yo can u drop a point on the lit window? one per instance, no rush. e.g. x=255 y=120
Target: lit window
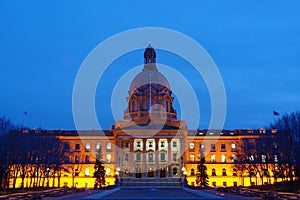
x=233 y=158
x=87 y=146
x=192 y=157
x=202 y=146
x=174 y=157
x=87 y=172
x=223 y=158
x=192 y=145
x=98 y=146
x=162 y=156
x=108 y=172
x=263 y=158
x=150 y=156
x=213 y=158
x=233 y=147
x=174 y=144
x=108 y=146
x=108 y=157
x=162 y=144
x=275 y=158
x=251 y=158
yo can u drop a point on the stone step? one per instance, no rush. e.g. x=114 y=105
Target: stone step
x=150 y=183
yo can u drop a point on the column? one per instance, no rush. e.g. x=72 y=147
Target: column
x=131 y=158
x=157 y=157
x=144 y=172
x=169 y=158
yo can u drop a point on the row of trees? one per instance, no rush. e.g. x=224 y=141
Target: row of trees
x=38 y=159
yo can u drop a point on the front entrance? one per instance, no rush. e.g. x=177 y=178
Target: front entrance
x=138 y=173
x=150 y=173
x=163 y=172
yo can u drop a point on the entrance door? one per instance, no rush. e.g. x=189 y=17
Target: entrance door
x=138 y=173
x=150 y=173
x=163 y=172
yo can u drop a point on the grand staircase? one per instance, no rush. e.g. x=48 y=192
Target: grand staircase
x=150 y=183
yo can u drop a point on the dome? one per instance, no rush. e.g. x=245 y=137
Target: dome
x=147 y=76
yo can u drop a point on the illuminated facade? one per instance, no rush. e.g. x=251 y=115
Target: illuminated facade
x=151 y=143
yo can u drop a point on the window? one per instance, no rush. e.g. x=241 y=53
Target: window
x=263 y=158
x=202 y=147
x=224 y=184
x=233 y=147
x=77 y=159
x=162 y=144
x=233 y=158
x=88 y=146
x=192 y=145
x=275 y=158
x=126 y=157
x=192 y=158
x=77 y=147
x=150 y=144
x=87 y=159
x=235 y=184
x=251 y=158
x=138 y=157
x=223 y=147
x=150 y=156
x=214 y=184
x=234 y=172
x=108 y=157
x=224 y=172
x=213 y=158
x=87 y=172
x=192 y=172
x=174 y=157
x=162 y=156
x=213 y=172
x=138 y=144
x=223 y=158
x=98 y=146
x=108 y=146
x=108 y=171
x=174 y=144
x=126 y=145
x=67 y=146
x=212 y=147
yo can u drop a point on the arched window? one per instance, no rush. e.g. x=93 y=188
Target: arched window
x=224 y=172
x=134 y=105
x=234 y=172
x=192 y=172
x=213 y=172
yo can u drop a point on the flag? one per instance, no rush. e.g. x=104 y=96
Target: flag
x=275 y=113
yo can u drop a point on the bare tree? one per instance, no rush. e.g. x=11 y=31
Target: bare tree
x=289 y=126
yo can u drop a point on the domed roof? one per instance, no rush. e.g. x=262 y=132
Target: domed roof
x=149 y=75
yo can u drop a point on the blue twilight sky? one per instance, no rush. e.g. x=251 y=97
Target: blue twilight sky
x=255 y=45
